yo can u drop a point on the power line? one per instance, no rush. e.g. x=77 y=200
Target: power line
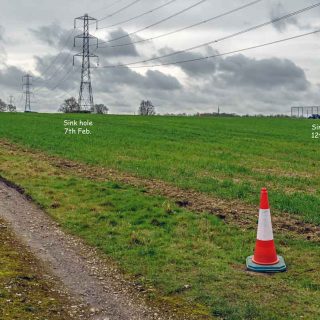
x=106 y=7
x=157 y=23
x=20 y=101
x=85 y=37
x=185 y=28
x=65 y=61
x=229 y=36
x=62 y=80
x=59 y=69
x=65 y=77
x=140 y=15
x=63 y=64
x=132 y=64
x=217 y=55
x=58 y=55
x=119 y=10
x=66 y=93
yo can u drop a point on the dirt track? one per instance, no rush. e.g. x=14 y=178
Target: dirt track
x=86 y=276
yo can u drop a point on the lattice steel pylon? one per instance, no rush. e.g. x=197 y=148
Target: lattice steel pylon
x=85 y=93
x=26 y=86
x=11 y=100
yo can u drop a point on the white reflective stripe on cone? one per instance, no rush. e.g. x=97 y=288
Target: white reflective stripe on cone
x=265 y=226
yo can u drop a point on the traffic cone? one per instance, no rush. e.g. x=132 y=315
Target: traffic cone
x=265 y=258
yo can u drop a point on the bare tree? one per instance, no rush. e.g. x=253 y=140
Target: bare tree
x=147 y=108
x=100 y=109
x=3 y=106
x=70 y=106
x=12 y=108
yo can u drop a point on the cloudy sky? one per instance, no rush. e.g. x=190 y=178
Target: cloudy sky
x=36 y=36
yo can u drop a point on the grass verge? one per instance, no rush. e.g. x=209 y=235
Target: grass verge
x=194 y=260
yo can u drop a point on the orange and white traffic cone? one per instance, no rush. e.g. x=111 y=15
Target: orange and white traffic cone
x=265 y=258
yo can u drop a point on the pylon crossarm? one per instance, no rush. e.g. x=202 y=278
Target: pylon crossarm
x=81 y=36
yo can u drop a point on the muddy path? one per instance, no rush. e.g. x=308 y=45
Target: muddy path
x=87 y=277
x=27 y=291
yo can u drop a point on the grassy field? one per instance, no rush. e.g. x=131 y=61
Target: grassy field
x=24 y=293
x=231 y=158
x=194 y=261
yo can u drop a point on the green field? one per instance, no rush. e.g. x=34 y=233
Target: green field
x=231 y=158
x=195 y=261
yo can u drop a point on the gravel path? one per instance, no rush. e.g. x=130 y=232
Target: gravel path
x=84 y=273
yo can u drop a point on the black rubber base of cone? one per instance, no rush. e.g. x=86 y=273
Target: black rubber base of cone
x=278 y=267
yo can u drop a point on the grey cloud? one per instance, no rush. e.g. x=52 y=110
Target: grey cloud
x=57 y=37
x=107 y=80
x=49 y=63
x=278 y=10
x=242 y=71
x=197 y=68
x=160 y=81
x=271 y=82
x=122 y=51
x=3 y=53
x=242 y=85
x=1 y=33
x=54 y=35
x=11 y=77
x=53 y=68
x=111 y=79
x=271 y=73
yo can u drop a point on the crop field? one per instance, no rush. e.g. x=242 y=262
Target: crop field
x=230 y=158
x=190 y=258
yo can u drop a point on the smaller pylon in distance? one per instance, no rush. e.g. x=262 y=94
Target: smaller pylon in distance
x=26 y=86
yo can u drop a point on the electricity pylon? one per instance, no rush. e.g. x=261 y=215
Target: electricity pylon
x=11 y=100
x=26 y=86
x=85 y=93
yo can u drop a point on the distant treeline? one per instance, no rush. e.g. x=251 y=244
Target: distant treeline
x=7 y=107
x=230 y=115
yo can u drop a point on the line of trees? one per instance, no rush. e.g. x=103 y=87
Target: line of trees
x=71 y=105
x=7 y=107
